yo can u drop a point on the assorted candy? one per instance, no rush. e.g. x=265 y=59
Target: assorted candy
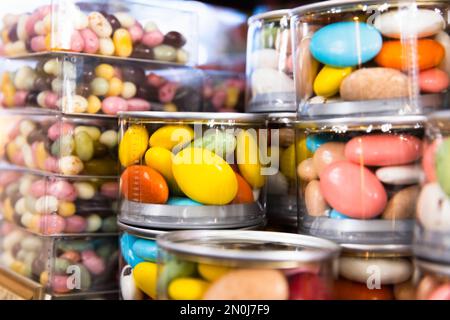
x=67 y=146
x=223 y=91
x=49 y=205
x=185 y=278
x=270 y=64
x=62 y=265
x=365 y=173
x=192 y=165
x=434 y=282
x=71 y=28
x=397 y=52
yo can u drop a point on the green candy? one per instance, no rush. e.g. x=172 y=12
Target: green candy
x=443 y=166
x=101 y=167
x=61 y=265
x=84 y=146
x=219 y=142
x=269 y=36
x=64 y=146
x=175 y=269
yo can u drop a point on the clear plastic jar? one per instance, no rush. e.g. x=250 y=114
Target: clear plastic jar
x=76 y=84
x=61 y=265
x=432 y=232
x=51 y=142
x=434 y=281
x=123 y=29
x=47 y=204
x=393 y=56
x=230 y=265
x=192 y=170
x=361 y=183
x=375 y=273
x=223 y=91
x=270 y=84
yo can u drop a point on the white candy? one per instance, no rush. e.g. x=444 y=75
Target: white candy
x=47 y=205
x=128 y=90
x=31 y=243
x=433 y=208
x=26 y=127
x=94 y=223
x=150 y=26
x=85 y=190
x=128 y=287
x=21 y=27
x=444 y=39
x=400 y=175
x=81 y=20
x=24 y=79
x=265 y=58
x=277 y=184
x=100 y=25
x=125 y=20
x=409 y=23
x=70 y=165
x=11 y=239
x=386 y=271
x=27 y=219
x=106 y=47
x=28 y=156
x=20 y=207
x=271 y=81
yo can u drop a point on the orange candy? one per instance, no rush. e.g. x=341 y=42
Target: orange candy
x=349 y=290
x=396 y=55
x=144 y=184
x=244 y=193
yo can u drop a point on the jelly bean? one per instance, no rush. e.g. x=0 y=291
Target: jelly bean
x=346 y=44
x=62 y=190
x=145 y=277
x=115 y=87
x=20 y=98
x=136 y=32
x=383 y=150
x=64 y=146
x=100 y=25
x=212 y=272
x=46 y=205
x=76 y=41
x=110 y=190
x=433 y=81
x=24 y=78
x=91 y=41
x=94 y=104
x=113 y=105
x=85 y=190
x=153 y=187
x=128 y=90
x=161 y=160
x=171 y=136
x=220 y=142
x=74 y=104
x=443 y=165
x=93 y=132
x=59 y=128
x=84 y=146
x=430 y=54
x=93 y=262
x=244 y=193
x=75 y=224
x=123 y=43
x=70 y=165
x=153 y=38
x=59 y=284
x=38 y=188
x=94 y=223
x=155 y=80
x=99 y=87
x=402 y=205
x=248 y=163
x=113 y=21
x=50 y=224
x=145 y=249
x=133 y=145
x=247 y=284
x=174 y=39
x=178 y=201
x=216 y=182
x=142 y=52
x=329 y=79
x=138 y=104
x=165 y=53
x=316 y=205
x=308 y=286
x=353 y=190
x=66 y=209
x=106 y=47
x=109 y=138
x=38 y=44
x=128 y=287
x=187 y=289
x=167 y=91
x=126 y=243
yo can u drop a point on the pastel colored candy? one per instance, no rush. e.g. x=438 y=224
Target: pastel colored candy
x=62 y=190
x=402 y=205
x=266 y=80
x=433 y=208
x=75 y=224
x=113 y=105
x=138 y=104
x=395 y=54
x=187 y=289
x=128 y=287
x=145 y=277
x=212 y=272
x=249 y=166
x=145 y=249
x=329 y=79
x=177 y=201
x=316 y=205
x=313 y=142
x=433 y=81
x=400 y=175
x=337 y=215
x=153 y=38
x=51 y=224
x=419 y=23
x=384 y=150
x=217 y=141
x=353 y=190
x=327 y=154
x=133 y=145
x=93 y=262
x=91 y=41
x=76 y=41
x=126 y=243
x=346 y=44
x=388 y=271
x=429 y=160
x=443 y=165
x=175 y=269
x=444 y=39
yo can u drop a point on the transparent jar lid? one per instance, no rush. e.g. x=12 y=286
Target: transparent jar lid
x=376 y=250
x=435 y=268
x=270 y=15
x=240 y=247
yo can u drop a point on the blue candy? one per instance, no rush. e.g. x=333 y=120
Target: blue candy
x=178 y=201
x=126 y=243
x=145 y=249
x=337 y=215
x=346 y=44
x=313 y=142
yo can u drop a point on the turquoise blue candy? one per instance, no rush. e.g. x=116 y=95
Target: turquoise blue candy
x=145 y=249
x=313 y=142
x=126 y=244
x=177 y=201
x=346 y=44
x=337 y=215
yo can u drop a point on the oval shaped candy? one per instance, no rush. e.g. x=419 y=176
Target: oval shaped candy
x=170 y=136
x=133 y=145
x=145 y=249
x=443 y=165
x=145 y=277
x=329 y=80
x=187 y=289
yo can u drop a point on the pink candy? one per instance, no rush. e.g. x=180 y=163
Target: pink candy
x=38 y=188
x=113 y=105
x=7 y=177
x=167 y=92
x=153 y=38
x=91 y=41
x=93 y=262
x=137 y=104
x=136 y=32
x=219 y=98
x=38 y=43
x=59 y=284
x=62 y=190
x=50 y=100
x=51 y=224
x=75 y=224
x=110 y=190
x=58 y=129
x=20 y=98
x=51 y=164
x=441 y=293
x=433 y=81
x=429 y=160
x=76 y=41
x=155 y=80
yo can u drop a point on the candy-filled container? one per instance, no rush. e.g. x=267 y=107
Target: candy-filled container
x=432 y=232
x=240 y=265
x=371 y=56
x=375 y=274
x=121 y=29
x=76 y=84
x=60 y=144
x=192 y=170
x=62 y=265
x=51 y=205
x=282 y=185
x=361 y=182
x=434 y=281
x=270 y=84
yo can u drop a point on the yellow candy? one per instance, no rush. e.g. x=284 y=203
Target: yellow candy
x=43 y=278
x=170 y=107
x=48 y=42
x=105 y=71
x=145 y=277
x=94 y=104
x=66 y=209
x=133 y=145
x=161 y=160
x=8 y=90
x=187 y=289
x=123 y=43
x=329 y=80
x=170 y=136
x=19 y=267
x=115 y=87
x=212 y=272
x=232 y=97
x=204 y=176
x=8 y=210
x=248 y=158
x=288 y=161
x=41 y=155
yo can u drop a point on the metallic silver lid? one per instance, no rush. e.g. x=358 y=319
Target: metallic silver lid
x=195 y=116
x=369 y=120
x=441 y=269
x=269 y=15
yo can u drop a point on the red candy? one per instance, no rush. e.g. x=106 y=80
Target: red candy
x=433 y=81
x=307 y=286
